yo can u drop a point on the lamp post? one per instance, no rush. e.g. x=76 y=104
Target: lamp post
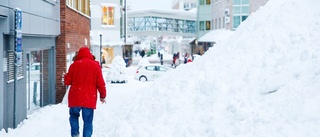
x=100 y=50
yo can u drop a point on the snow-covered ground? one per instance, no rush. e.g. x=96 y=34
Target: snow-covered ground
x=264 y=81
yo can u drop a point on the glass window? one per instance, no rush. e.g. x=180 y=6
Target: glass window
x=243 y=18
x=201 y=2
x=75 y=4
x=208 y=25
x=245 y=1
x=69 y=2
x=208 y=2
x=201 y=25
x=193 y=5
x=245 y=10
x=236 y=21
x=236 y=10
x=107 y=15
x=236 y=2
x=186 y=5
x=151 y=68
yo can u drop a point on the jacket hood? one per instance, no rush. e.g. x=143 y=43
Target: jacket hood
x=84 y=52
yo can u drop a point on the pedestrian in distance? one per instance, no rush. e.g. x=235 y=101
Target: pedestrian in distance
x=186 y=58
x=85 y=79
x=142 y=53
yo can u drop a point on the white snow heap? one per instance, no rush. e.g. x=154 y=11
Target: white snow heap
x=117 y=70
x=263 y=81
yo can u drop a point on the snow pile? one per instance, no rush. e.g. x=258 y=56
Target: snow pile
x=263 y=81
x=116 y=72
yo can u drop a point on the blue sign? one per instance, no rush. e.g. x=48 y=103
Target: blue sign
x=18 y=19
x=18 y=35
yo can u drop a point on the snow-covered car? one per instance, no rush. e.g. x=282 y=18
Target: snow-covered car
x=150 y=72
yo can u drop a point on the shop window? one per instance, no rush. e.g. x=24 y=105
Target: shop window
x=107 y=15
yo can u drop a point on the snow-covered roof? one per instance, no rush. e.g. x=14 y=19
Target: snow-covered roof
x=216 y=35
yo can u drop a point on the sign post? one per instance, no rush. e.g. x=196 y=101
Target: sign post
x=18 y=36
x=18 y=56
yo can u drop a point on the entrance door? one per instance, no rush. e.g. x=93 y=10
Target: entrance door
x=34 y=79
x=37 y=72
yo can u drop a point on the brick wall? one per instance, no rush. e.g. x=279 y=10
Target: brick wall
x=75 y=28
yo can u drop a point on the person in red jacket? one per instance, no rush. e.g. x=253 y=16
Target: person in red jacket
x=85 y=78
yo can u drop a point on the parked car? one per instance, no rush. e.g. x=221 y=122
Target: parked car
x=150 y=72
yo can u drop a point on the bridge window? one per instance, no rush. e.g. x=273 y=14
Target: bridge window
x=107 y=15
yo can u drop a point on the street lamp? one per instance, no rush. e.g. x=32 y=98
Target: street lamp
x=100 y=50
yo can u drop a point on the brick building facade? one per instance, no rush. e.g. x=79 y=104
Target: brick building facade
x=75 y=33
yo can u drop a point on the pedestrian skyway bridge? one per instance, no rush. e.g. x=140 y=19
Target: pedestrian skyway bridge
x=153 y=22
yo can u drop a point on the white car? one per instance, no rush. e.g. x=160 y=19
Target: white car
x=150 y=72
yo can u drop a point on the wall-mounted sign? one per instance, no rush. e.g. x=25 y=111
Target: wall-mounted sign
x=18 y=36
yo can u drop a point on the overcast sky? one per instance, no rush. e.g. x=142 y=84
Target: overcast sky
x=150 y=4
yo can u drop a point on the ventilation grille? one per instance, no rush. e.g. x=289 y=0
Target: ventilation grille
x=10 y=65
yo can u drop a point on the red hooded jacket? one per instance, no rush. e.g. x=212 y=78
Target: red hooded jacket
x=85 y=78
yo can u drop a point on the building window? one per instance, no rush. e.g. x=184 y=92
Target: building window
x=201 y=25
x=201 y=2
x=208 y=25
x=208 y=2
x=186 y=6
x=237 y=20
x=107 y=15
x=193 y=5
x=241 y=11
x=80 y=5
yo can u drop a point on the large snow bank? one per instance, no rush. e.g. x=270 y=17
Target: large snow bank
x=263 y=81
